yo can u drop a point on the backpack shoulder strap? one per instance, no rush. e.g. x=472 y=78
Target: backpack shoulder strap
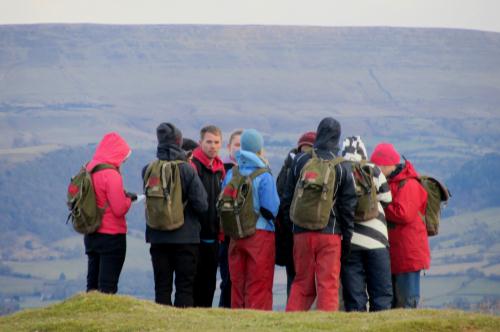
x=258 y=172
x=289 y=158
x=364 y=163
x=176 y=163
x=313 y=153
x=337 y=161
x=236 y=170
x=403 y=182
x=338 y=179
x=100 y=167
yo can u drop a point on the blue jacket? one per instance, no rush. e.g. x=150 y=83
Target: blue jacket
x=265 y=194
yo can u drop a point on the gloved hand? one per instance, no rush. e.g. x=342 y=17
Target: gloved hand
x=133 y=196
x=346 y=250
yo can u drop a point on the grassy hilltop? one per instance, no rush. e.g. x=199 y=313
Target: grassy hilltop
x=99 y=312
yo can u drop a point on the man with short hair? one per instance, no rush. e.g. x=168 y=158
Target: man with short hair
x=211 y=172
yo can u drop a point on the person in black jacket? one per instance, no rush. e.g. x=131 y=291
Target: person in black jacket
x=211 y=171
x=177 y=251
x=284 y=234
x=317 y=254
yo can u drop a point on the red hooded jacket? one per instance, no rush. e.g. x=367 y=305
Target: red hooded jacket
x=108 y=183
x=409 y=245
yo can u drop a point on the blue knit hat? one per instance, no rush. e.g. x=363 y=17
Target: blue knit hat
x=251 y=140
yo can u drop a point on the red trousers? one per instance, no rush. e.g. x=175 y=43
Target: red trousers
x=251 y=267
x=317 y=263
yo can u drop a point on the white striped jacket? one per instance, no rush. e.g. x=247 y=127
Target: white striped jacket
x=372 y=234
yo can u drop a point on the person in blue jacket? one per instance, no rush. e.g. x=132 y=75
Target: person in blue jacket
x=251 y=259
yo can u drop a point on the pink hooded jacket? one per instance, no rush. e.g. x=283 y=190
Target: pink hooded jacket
x=108 y=183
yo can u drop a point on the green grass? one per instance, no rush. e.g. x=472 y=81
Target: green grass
x=99 y=312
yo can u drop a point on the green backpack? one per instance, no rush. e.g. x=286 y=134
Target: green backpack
x=314 y=194
x=235 y=205
x=437 y=193
x=366 y=192
x=163 y=190
x=85 y=215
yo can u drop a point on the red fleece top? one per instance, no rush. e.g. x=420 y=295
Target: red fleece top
x=108 y=183
x=214 y=165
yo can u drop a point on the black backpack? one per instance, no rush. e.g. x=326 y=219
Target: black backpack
x=283 y=174
x=283 y=233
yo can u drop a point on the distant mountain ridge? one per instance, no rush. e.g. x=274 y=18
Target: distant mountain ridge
x=430 y=89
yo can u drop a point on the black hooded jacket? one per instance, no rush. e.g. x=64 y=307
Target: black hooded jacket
x=193 y=191
x=326 y=147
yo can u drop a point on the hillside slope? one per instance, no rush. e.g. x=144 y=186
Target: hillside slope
x=98 y=312
x=436 y=92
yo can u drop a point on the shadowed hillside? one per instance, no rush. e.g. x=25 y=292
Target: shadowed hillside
x=98 y=312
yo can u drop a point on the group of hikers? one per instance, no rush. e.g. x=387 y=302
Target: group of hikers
x=234 y=214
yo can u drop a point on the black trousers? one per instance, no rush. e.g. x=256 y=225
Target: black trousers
x=206 y=274
x=180 y=259
x=106 y=255
x=225 y=283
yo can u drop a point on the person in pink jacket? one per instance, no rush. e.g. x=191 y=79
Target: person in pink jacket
x=107 y=246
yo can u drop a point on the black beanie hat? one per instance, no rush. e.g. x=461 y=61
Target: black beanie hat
x=188 y=144
x=167 y=133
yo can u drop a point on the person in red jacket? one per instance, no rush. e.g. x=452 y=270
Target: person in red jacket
x=107 y=246
x=409 y=245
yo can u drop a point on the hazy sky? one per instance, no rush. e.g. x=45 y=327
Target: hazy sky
x=467 y=14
